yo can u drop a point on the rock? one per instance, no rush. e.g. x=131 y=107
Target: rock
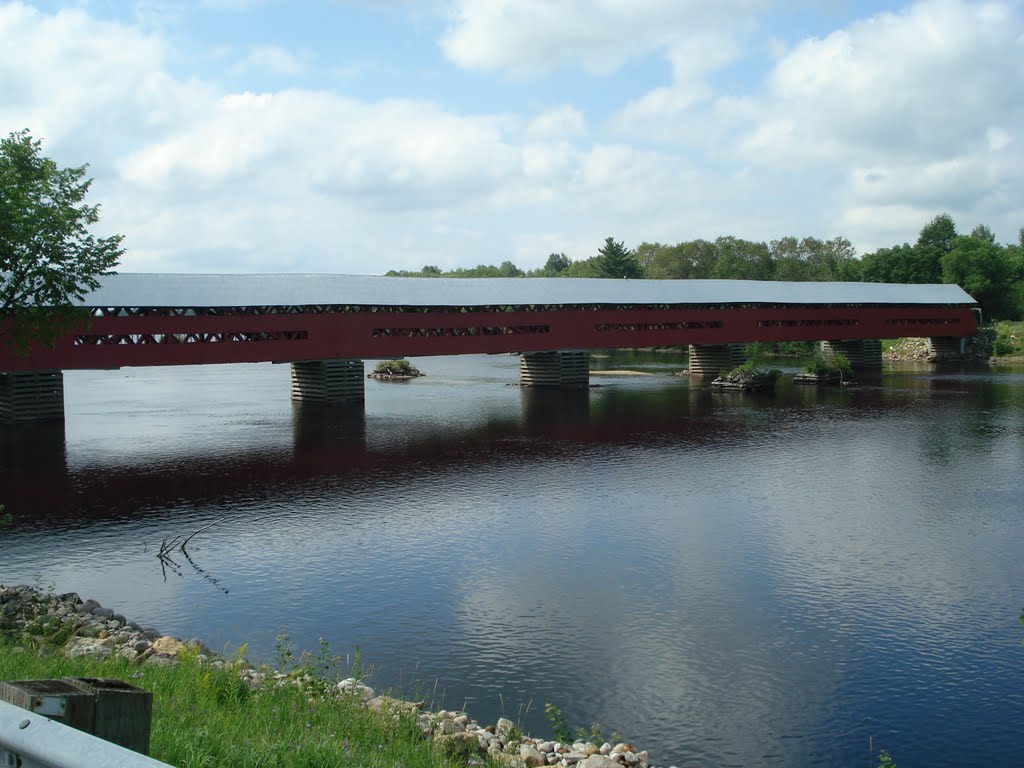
x=571 y=758
x=120 y=619
x=630 y=758
x=599 y=761
x=88 y=646
x=531 y=756
x=504 y=727
x=141 y=646
x=128 y=653
x=389 y=704
x=168 y=646
x=606 y=748
x=103 y=613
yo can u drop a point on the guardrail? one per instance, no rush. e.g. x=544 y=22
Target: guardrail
x=29 y=740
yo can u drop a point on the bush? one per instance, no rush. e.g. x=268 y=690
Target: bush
x=396 y=368
x=838 y=363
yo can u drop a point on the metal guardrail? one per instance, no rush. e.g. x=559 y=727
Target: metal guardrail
x=29 y=740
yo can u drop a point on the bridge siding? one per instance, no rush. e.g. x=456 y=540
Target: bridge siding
x=352 y=335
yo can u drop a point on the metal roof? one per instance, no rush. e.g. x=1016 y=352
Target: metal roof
x=194 y=290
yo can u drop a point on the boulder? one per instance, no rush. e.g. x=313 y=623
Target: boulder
x=531 y=756
x=97 y=648
x=168 y=646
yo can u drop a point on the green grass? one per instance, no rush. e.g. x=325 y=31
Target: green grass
x=207 y=717
x=1005 y=344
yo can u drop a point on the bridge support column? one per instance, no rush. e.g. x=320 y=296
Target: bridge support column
x=328 y=381
x=945 y=347
x=713 y=359
x=562 y=369
x=863 y=354
x=32 y=396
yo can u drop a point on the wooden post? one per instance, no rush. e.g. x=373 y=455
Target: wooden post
x=56 y=699
x=123 y=711
x=111 y=710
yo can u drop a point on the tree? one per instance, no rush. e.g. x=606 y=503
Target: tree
x=48 y=257
x=980 y=267
x=615 y=261
x=935 y=241
x=556 y=263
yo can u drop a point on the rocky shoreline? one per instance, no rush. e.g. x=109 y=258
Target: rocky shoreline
x=66 y=624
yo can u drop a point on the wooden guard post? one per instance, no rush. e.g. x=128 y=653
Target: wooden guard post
x=109 y=709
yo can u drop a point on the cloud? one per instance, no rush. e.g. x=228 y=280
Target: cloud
x=526 y=38
x=271 y=59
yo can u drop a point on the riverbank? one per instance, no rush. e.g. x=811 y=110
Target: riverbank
x=213 y=710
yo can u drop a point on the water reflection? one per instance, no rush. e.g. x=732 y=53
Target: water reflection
x=727 y=580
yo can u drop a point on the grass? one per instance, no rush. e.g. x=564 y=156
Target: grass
x=204 y=717
x=1009 y=339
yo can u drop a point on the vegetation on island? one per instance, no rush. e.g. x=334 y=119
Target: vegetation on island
x=752 y=375
x=991 y=272
x=395 y=369
x=836 y=365
x=48 y=256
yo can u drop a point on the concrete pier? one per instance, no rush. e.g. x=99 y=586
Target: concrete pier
x=945 y=347
x=328 y=381
x=32 y=396
x=863 y=354
x=714 y=359
x=569 y=369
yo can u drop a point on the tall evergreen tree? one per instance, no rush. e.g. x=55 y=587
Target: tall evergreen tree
x=615 y=261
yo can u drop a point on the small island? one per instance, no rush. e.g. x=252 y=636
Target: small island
x=395 y=370
x=822 y=370
x=749 y=377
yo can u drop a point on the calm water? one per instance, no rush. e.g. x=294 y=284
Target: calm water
x=726 y=580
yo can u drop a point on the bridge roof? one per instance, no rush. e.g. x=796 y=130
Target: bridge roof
x=196 y=290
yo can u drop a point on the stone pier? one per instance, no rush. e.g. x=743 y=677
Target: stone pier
x=714 y=359
x=32 y=396
x=863 y=354
x=328 y=381
x=569 y=369
x=945 y=347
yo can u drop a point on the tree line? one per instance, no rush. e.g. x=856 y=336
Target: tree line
x=991 y=272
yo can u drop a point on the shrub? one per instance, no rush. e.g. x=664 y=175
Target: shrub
x=826 y=366
x=396 y=368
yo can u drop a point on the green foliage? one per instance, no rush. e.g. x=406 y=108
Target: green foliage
x=885 y=760
x=836 y=363
x=48 y=257
x=207 y=717
x=559 y=727
x=396 y=368
x=981 y=268
x=615 y=261
x=5 y=516
x=1009 y=340
x=563 y=733
x=993 y=274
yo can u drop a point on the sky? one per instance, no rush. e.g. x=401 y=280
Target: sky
x=357 y=136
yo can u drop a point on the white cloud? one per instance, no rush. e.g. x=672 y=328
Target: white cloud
x=531 y=37
x=272 y=59
x=922 y=84
x=560 y=123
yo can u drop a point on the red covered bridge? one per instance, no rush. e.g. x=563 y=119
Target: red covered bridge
x=326 y=323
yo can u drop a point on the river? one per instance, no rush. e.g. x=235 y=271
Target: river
x=799 y=578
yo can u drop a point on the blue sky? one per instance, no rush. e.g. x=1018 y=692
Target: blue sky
x=361 y=135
